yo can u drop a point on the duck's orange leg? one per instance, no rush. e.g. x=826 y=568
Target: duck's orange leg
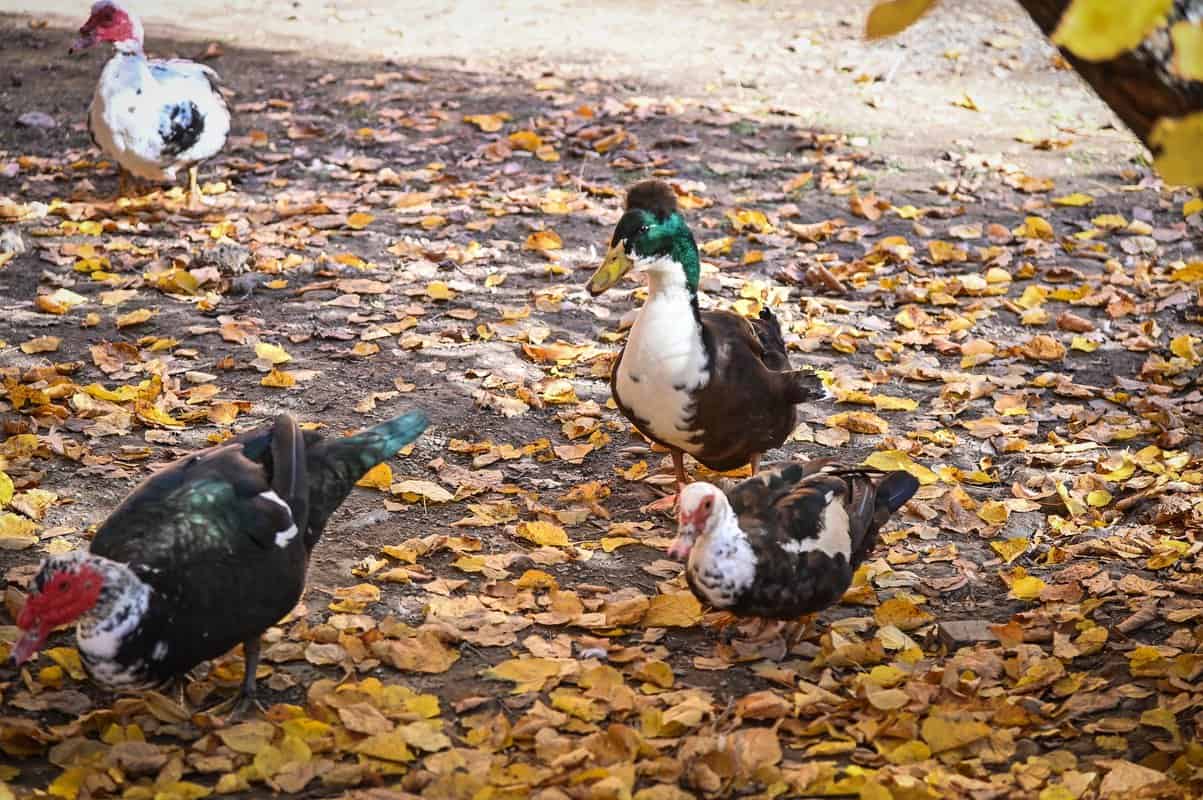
x=669 y=502
x=799 y=631
x=195 y=201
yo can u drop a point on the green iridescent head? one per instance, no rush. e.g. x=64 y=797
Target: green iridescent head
x=651 y=229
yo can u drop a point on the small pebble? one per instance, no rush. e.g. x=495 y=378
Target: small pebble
x=36 y=119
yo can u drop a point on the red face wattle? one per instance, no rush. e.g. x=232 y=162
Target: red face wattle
x=690 y=522
x=107 y=24
x=697 y=516
x=64 y=596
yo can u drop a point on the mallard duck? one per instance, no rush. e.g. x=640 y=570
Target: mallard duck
x=205 y=554
x=785 y=542
x=709 y=383
x=152 y=116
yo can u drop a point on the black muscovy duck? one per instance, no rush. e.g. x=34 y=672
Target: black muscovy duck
x=205 y=554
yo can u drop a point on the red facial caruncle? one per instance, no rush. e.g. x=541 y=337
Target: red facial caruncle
x=695 y=517
x=108 y=22
x=65 y=595
x=693 y=514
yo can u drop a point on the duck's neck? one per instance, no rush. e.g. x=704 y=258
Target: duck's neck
x=724 y=533
x=129 y=47
x=668 y=331
x=669 y=288
x=123 y=601
x=724 y=556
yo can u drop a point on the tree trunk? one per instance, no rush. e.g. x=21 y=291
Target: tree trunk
x=1140 y=86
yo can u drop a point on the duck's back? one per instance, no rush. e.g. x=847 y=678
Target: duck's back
x=809 y=531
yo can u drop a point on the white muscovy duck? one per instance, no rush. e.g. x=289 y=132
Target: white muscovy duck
x=785 y=542
x=152 y=116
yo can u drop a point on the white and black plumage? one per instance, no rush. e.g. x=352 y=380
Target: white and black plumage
x=709 y=383
x=153 y=117
x=205 y=554
x=785 y=542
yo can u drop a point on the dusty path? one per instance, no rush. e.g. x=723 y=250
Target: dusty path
x=805 y=59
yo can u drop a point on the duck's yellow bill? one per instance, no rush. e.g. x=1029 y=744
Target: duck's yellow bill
x=611 y=271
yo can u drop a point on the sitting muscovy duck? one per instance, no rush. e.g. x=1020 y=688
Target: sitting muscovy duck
x=153 y=117
x=709 y=383
x=205 y=554
x=785 y=542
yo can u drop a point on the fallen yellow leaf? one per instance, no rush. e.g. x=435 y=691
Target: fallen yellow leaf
x=1100 y=30
x=1076 y=199
x=359 y=220
x=272 y=353
x=489 y=123
x=542 y=533
x=543 y=241
x=891 y=460
x=676 y=610
x=437 y=290
x=890 y=17
x=378 y=477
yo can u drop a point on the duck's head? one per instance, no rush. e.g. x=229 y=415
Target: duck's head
x=66 y=587
x=700 y=506
x=651 y=237
x=110 y=21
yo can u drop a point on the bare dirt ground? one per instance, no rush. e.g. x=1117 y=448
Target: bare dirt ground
x=385 y=214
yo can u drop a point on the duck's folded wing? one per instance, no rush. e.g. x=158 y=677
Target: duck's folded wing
x=813 y=516
x=871 y=498
x=214 y=507
x=763 y=490
x=192 y=97
x=181 y=69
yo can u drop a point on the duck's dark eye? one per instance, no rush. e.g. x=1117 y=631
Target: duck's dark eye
x=645 y=228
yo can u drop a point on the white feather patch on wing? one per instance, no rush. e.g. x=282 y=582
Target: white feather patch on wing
x=833 y=538
x=288 y=534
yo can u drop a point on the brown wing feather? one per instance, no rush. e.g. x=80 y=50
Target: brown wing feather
x=745 y=409
x=764 y=489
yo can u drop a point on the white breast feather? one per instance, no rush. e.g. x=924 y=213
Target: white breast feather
x=723 y=563
x=100 y=642
x=664 y=351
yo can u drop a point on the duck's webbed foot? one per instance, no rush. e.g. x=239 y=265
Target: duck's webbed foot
x=247 y=699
